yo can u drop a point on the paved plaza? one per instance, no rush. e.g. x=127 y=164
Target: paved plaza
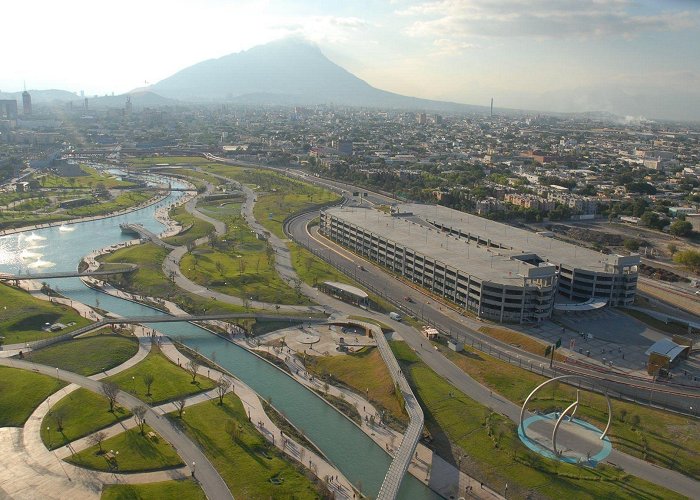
x=609 y=337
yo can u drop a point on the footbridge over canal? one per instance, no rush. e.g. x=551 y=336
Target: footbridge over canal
x=128 y=268
x=142 y=232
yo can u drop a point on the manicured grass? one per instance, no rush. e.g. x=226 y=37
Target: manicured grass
x=22 y=316
x=365 y=373
x=149 y=280
x=137 y=453
x=243 y=463
x=171 y=381
x=660 y=437
x=89 y=355
x=182 y=490
x=84 y=412
x=121 y=202
x=520 y=340
x=240 y=264
x=169 y=160
x=91 y=178
x=313 y=270
x=21 y=391
x=195 y=227
x=280 y=196
x=494 y=453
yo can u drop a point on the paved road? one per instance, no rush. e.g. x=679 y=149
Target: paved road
x=435 y=360
x=212 y=483
x=450 y=321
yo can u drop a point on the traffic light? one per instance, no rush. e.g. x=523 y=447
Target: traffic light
x=547 y=350
x=558 y=344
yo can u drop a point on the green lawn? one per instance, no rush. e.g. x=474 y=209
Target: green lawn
x=149 y=280
x=83 y=412
x=91 y=178
x=494 y=453
x=364 y=372
x=22 y=316
x=137 y=453
x=248 y=463
x=195 y=227
x=240 y=264
x=171 y=381
x=121 y=202
x=149 y=161
x=88 y=355
x=280 y=196
x=182 y=490
x=660 y=437
x=21 y=391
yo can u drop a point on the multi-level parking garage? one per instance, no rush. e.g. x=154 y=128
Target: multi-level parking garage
x=494 y=270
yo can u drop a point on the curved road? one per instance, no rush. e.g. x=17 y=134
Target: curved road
x=455 y=375
x=210 y=480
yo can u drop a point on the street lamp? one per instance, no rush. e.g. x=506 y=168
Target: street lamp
x=193 y=468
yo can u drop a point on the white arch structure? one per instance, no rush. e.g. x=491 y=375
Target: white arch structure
x=571 y=408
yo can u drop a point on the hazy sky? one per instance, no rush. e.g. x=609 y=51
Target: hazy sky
x=519 y=51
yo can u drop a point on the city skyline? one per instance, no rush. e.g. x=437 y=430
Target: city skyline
x=553 y=56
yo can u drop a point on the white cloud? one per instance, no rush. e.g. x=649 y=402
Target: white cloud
x=540 y=19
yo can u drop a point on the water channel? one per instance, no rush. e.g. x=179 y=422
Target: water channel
x=61 y=249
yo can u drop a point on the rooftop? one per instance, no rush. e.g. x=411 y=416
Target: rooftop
x=527 y=254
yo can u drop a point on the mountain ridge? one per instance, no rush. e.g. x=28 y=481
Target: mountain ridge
x=287 y=71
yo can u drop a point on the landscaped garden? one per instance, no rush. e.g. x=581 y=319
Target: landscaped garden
x=494 y=454
x=24 y=318
x=21 y=391
x=89 y=355
x=137 y=452
x=182 y=490
x=250 y=466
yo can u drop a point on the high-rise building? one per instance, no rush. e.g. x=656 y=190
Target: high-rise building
x=26 y=103
x=8 y=109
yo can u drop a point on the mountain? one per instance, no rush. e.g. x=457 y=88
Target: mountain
x=288 y=71
x=41 y=96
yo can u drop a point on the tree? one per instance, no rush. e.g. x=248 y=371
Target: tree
x=140 y=415
x=148 y=379
x=110 y=390
x=191 y=367
x=59 y=415
x=631 y=245
x=688 y=258
x=220 y=268
x=223 y=385
x=681 y=228
x=97 y=438
x=233 y=430
x=673 y=248
x=180 y=405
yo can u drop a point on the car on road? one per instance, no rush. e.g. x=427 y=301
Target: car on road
x=408 y=299
x=361 y=268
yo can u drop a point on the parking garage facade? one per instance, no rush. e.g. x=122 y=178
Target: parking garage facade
x=483 y=274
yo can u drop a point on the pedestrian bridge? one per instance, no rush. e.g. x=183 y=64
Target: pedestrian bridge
x=142 y=232
x=67 y=274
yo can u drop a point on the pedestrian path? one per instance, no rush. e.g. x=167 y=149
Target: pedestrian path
x=340 y=486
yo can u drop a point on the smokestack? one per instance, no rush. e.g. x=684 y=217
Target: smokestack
x=492 y=106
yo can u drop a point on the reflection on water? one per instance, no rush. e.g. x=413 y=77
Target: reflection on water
x=41 y=264
x=27 y=254
x=64 y=228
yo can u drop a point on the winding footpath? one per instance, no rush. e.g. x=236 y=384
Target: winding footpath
x=38 y=469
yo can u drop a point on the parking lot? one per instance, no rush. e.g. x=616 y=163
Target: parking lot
x=608 y=336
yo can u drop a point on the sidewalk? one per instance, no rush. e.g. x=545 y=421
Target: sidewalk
x=341 y=487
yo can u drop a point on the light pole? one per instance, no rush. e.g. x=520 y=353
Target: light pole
x=193 y=468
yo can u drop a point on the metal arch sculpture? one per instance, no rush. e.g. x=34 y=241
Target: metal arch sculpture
x=572 y=407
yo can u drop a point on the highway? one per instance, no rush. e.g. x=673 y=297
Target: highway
x=424 y=307
x=449 y=321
